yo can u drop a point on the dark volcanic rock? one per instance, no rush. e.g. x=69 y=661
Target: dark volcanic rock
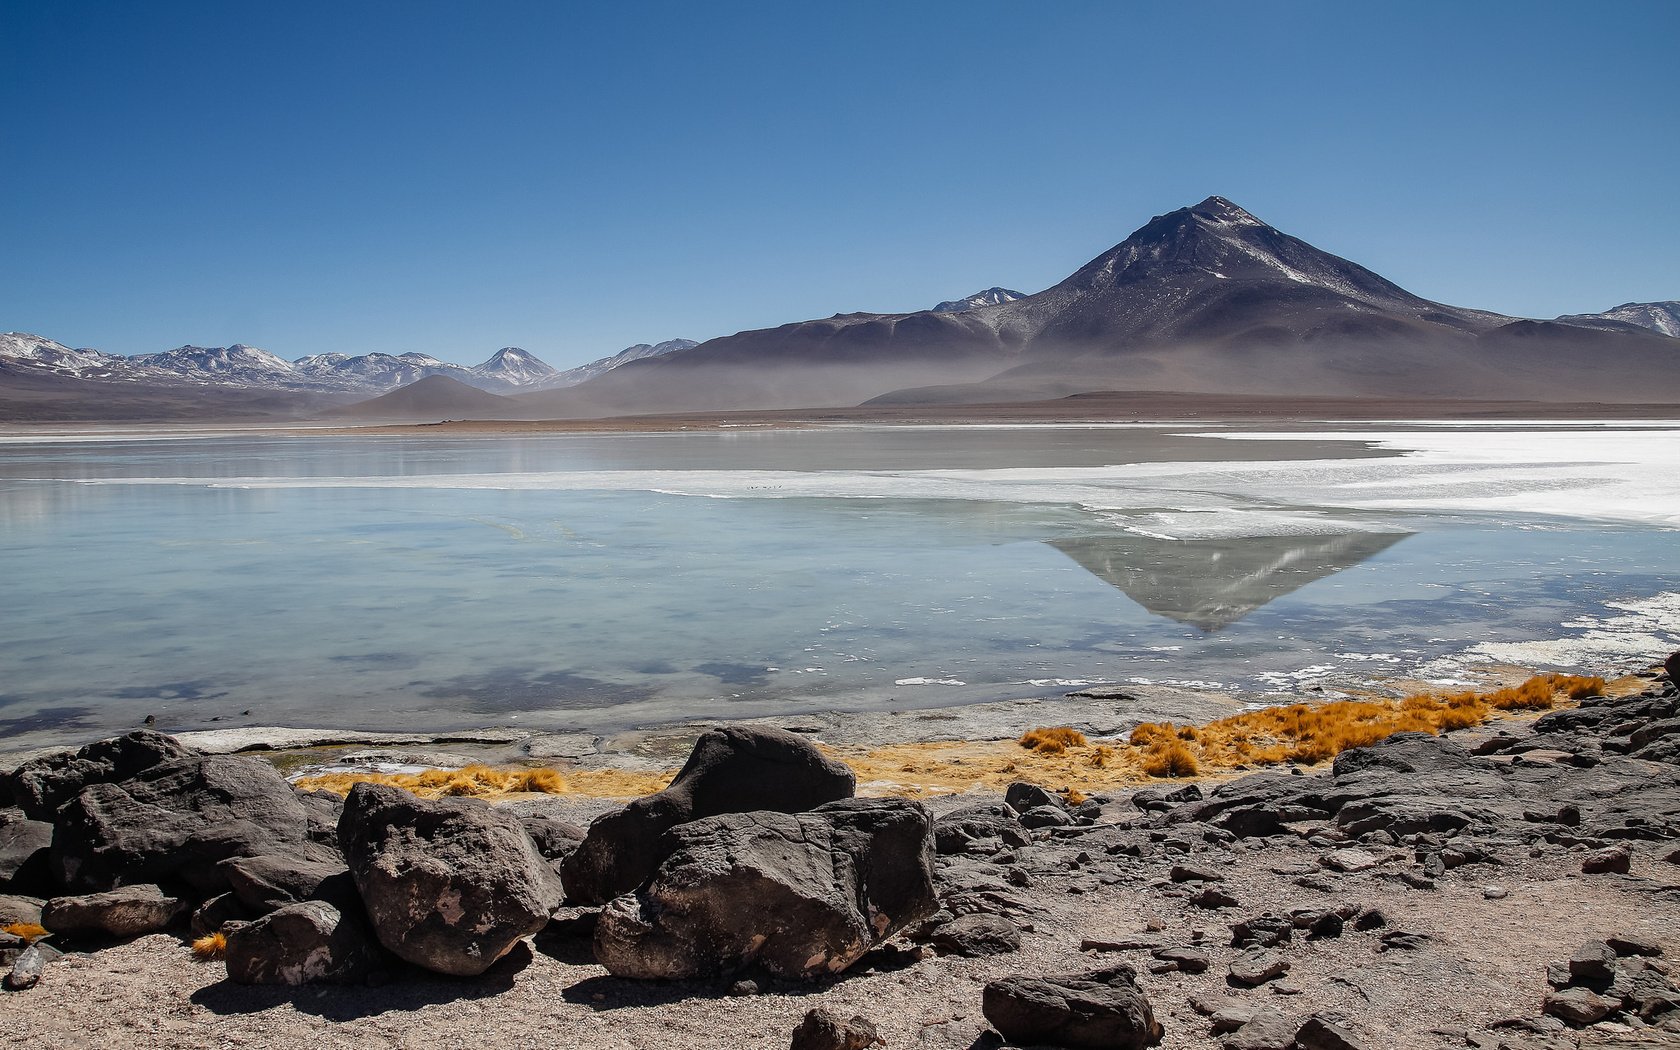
x=127 y=911
x=307 y=943
x=1321 y=1034
x=18 y=908
x=450 y=885
x=1257 y=966
x=1104 y=1008
x=216 y=913
x=176 y=819
x=802 y=894
x=1579 y=1006
x=1046 y=817
x=975 y=935
x=554 y=839
x=1268 y=1029
x=271 y=881
x=1612 y=860
x=1593 y=962
x=733 y=769
x=24 y=850
x=1021 y=797
x=41 y=785
x=29 y=966
x=823 y=1029
x=956 y=831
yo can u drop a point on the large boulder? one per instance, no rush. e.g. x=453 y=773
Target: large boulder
x=128 y=911
x=802 y=894
x=41 y=785
x=176 y=819
x=733 y=769
x=450 y=885
x=305 y=943
x=1104 y=1008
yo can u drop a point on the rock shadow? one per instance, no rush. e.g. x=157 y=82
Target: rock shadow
x=606 y=992
x=409 y=989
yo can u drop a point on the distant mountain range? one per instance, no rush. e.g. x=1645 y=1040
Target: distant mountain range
x=1205 y=300
x=44 y=380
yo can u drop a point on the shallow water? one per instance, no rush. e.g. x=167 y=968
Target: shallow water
x=602 y=580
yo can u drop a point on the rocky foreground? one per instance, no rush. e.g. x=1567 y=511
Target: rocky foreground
x=1518 y=888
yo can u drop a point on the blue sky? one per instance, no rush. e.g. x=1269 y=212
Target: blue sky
x=454 y=177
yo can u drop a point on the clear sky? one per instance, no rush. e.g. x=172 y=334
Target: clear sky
x=455 y=177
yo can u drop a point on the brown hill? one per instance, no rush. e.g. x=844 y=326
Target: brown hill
x=432 y=399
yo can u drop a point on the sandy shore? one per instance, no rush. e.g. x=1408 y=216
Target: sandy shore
x=1137 y=406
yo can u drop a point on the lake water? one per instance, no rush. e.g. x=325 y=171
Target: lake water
x=595 y=581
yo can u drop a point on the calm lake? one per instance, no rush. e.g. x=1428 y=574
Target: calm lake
x=600 y=580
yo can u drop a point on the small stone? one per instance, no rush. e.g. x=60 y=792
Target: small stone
x=1212 y=897
x=1593 y=962
x=1257 y=966
x=1185 y=960
x=1230 y=1018
x=976 y=935
x=30 y=965
x=1269 y=1029
x=1612 y=860
x=1319 y=1033
x=743 y=988
x=1194 y=873
x=1625 y=944
x=1348 y=861
x=1578 y=1006
x=1495 y=893
x=1370 y=919
x=823 y=1029
x=1405 y=940
x=1265 y=930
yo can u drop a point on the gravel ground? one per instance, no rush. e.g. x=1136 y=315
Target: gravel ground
x=1485 y=961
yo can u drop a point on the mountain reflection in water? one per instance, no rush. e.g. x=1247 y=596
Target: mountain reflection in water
x=1213 y=583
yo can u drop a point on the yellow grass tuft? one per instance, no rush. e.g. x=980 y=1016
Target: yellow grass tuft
x=29 y=931
x=210 y=946
x=1316 y=732
x=474 y=781
x=1166 y=756
x=1052 y=740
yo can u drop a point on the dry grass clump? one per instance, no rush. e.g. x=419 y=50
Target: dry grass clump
x=1052 y=740
x=474 y=781
x=29 y=931
x=211 y=946
x=1313 y=733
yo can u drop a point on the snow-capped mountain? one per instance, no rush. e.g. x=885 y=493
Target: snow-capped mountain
x=236 y=365
x=641 y=351
x=33 y=351
x=516 y=368
x=1662 y=318
x=242 y=367
x=989 y=297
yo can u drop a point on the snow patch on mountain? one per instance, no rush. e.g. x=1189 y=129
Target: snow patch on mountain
x=989 y=297
x=1662 y=318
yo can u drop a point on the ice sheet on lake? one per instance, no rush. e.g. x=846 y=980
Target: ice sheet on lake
x=1627 y=475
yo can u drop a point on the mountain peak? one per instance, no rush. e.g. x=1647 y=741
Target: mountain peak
x=1219 y=209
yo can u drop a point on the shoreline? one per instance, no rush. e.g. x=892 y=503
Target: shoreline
x=1419 y=892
